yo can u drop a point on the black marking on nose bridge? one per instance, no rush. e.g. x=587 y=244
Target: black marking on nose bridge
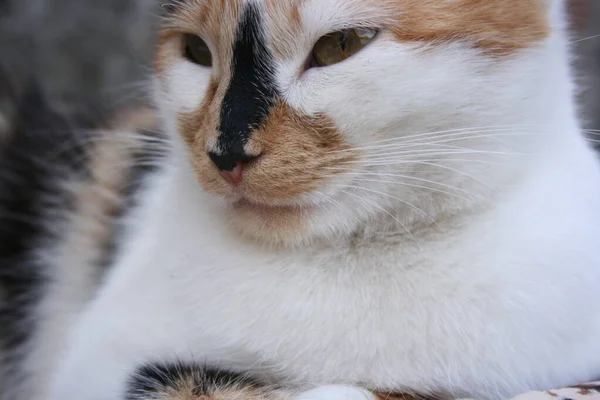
x=252 y=89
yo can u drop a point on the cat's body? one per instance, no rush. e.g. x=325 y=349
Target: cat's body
x=378 y=314
x=414 y=219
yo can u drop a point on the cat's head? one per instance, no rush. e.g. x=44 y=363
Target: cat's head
x=311 y=117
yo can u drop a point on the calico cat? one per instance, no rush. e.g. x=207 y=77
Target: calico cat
x=354 y=199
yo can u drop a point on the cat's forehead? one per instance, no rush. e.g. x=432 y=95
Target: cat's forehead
x=219 y=16
x=501 y=25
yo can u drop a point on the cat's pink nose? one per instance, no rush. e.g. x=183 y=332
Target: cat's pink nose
x=236 y=175
x=231 y=165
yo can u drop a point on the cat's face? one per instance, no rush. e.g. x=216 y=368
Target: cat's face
x=310 y=117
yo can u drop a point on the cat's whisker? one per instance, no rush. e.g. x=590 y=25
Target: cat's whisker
x=373 y=204
x=332 y=200
x=412 y=185
x=427 y=146
x=130 y=158
x=466 y=129
x=417 y=162
x=377 y=149
x=436 y=147
x=136 y=142
x=439 y=134
x=420 y=211
x=585 y=39
x=400 y=176
x=483 y=133
x=403 y=157
x=454 y=170
x=457 y=150
x=431 y=163
x=428 y=188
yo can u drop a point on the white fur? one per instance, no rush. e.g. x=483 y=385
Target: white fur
x=498 y=297
x=335 y=392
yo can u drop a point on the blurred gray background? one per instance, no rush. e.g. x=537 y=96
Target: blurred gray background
x=84 y=52
x=98 y=52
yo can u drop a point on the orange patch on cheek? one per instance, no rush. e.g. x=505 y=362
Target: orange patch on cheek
x=497 y=26
x=299 y=155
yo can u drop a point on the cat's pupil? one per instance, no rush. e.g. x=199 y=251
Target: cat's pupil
x=339 y=46
x=197 y=51
x=343 y=41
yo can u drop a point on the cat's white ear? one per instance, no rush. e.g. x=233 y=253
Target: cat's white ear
x=559 y=5
x=558 y=12
x=554 y=3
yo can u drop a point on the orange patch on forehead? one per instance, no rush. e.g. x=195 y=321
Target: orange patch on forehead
x=215 y=21
x=497 y=26
x=285 y=23
x=285 y=10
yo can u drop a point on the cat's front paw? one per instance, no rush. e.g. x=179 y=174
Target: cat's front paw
x=341 y=392
x=337 y=392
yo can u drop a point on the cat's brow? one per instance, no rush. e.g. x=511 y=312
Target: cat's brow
x=174 y=6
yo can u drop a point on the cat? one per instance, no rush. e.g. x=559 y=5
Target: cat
x=354 y=199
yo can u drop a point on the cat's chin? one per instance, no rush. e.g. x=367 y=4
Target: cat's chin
x=280 y=225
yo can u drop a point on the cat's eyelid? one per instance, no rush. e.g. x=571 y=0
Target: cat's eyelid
x=370 y=33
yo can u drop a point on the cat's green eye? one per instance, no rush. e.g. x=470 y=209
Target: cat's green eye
x=196 y=50
x=337 y=46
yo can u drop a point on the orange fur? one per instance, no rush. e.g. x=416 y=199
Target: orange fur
x=187 y=389
x=497 y=26
x=288 y=11
x=295 y=154
x=295 y=150
x=285 y=22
